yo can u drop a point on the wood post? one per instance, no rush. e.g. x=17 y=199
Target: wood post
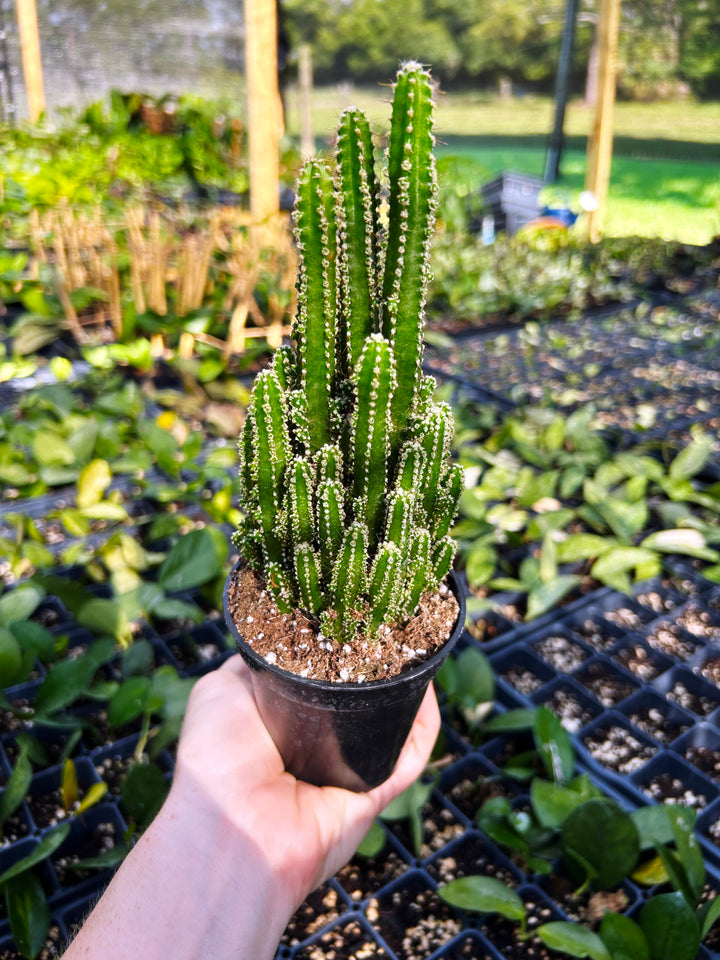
x=264 y=107
x=305 y=85
x=599 y=153
x=31 y=58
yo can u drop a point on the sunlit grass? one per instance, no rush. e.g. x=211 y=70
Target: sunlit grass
x=665 y=178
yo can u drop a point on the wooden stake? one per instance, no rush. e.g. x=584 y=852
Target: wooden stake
x=31 y=58
x=264 y=107
x=305 y=85
x=599 y=153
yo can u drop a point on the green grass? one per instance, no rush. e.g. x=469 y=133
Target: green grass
x=665 y=179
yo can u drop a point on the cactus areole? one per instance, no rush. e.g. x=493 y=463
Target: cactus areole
x=348 y=492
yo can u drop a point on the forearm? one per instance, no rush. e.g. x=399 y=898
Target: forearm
x=192 y=888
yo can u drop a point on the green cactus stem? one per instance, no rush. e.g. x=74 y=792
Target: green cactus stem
x=347 y=492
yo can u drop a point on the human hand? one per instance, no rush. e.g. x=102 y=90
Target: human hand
x=239 y=843
x=228 y=768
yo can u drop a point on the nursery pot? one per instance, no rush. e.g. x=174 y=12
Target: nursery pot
x=340 y=734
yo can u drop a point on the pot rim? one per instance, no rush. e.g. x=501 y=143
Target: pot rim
x=386 y=682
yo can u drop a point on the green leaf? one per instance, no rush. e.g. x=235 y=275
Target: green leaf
x=709 y=916
x=192 y=561
x=687 y=542
x=483 y=895
x=690 y=461
x=109 y=858
x=50 y=449
x=583 y=546
x=613 y=566
x=373 y=842
x=143 y=792
x=689 y=853
x=69 y=679
x=553 y=803
x=622 y=936
x=572 y=939
x=600 y=833
x=104 y=616
x=94 y=479
x=16 y=787
x=670 y=928
x=93 y=795
x=544 y=597
x=28 y=913
x=480 y=564
x=20 y=603
x=653 y=823
x=555 y=746
x=522 y=718
x=129 y=702
x=69 y=785
x=47 y=846
x=11 y=659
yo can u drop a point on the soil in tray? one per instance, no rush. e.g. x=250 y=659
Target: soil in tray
x=627 y=618
x=638 y=661
x=711 y=671
x=587 y=908
x=694 y=702
x=706 y=760
x=322 y=907
x=522 y=679
x=100 y=840
x=364 y=876
x=596 y=635
x=467 y=949
x=609 y=688
x=14 y=829
x=470 y=793
x=652 y=721
x=669 y=639
x=561 y=653
x=468 y=857
x=615 y=748
x=504 y=935
x=699 y=623
x=666 y=787
x=413 y=920
x=570 y=711
x=656 y=601
x=439 y=828
x=712 y=832
x=347 y=941
x=113 y=771
x=54 y=946
x=189 y=652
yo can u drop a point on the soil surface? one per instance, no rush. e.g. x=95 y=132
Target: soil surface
x=294 y=643
x=652 y=721
x=320 y=908
x=413 y=920
x=617 y=749
x=347 y=941
x=573 y=714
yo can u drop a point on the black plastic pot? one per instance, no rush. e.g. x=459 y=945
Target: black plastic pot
x=340 y=734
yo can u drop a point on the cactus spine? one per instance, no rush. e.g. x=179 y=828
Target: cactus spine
x=347 y=491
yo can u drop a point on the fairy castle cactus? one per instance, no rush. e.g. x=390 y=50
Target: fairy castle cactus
x=347 y=490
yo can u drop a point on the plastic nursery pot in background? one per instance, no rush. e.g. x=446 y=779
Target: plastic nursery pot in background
x=340 y=734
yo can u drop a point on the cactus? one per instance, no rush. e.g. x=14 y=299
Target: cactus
x=347 y=491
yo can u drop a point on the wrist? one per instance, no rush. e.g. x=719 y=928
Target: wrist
x=194 y=886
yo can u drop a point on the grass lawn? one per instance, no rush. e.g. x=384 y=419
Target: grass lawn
x=665 y=178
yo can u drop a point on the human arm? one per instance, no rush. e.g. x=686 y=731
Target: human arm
x=239 y=842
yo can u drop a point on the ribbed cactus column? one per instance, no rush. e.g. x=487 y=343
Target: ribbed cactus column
x=348 y=494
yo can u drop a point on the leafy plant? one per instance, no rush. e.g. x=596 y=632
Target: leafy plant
x=600 y=845
x=346 y=490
